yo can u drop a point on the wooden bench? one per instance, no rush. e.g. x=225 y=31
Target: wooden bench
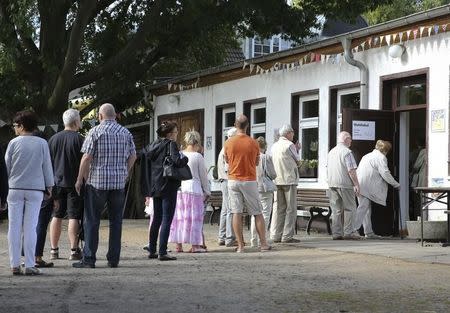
x=318 y=202
x=215 y=201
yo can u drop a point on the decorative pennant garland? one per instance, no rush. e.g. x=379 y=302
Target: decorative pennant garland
x=194 y=85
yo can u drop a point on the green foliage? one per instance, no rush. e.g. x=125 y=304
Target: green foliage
x=399 y=8
x=113 y=47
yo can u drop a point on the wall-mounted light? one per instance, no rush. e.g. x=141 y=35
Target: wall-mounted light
x=396 y=51
x=174 y=99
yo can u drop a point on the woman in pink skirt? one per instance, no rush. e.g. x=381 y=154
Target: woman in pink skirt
x=187 y=224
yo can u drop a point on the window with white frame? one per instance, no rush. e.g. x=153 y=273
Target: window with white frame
x=228 y=119
x=266 y=46
x=346 y=98
x=309 y=135
x=258 y=120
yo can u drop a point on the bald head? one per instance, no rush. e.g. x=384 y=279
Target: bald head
x=241 y=122
x=345 y=138
x=107 y=111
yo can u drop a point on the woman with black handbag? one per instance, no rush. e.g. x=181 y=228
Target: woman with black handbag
x=163 y=190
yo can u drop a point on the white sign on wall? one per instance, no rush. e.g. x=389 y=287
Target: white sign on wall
x=363 y=130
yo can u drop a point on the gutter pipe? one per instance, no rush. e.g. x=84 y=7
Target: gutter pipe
x=364 y=72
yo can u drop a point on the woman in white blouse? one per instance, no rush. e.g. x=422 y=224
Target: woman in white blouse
x=187 y=224
x=374 y=177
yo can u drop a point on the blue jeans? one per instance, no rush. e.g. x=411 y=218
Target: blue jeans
x=45 y=215
x=94 y=202
x=164 y=209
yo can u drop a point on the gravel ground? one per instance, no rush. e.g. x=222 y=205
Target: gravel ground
x=291 y=278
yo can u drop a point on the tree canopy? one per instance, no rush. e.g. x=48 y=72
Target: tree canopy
x=399 y=8
x=111 y=47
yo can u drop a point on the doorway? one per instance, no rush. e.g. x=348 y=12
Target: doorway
x=412 y=163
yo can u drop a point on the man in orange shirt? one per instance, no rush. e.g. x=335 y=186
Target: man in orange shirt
x=242 y=155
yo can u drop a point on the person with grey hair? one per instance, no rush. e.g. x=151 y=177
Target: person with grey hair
x=285 y=160
x=65 y=148
x=343 y=185
x=187 y=223
x=109 y=155
x=226 y=233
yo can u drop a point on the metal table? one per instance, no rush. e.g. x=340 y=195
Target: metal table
x=429 y=195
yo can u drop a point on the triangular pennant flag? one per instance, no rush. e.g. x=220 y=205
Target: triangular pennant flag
x=54 y=127
x=169 y=86
x=317 y=58
x=2 y=123
x=252 y=66
x=369 y=41
x=394 y=37
x=41 y=127
x=130 y=111
x=421 y=30
x=444 y=27
x=312 y=57
x=363 y=45
x=245 y=64
x=276 y=66
x=430 y=29
x=375 y=41
x=381 y=40
x=400 y=36
x=408 y=33
x=388 y=40
x=92 y=123
x=124 y=113
x=436 y=29
x=415 y=32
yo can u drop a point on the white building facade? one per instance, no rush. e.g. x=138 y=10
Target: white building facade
x=309 y=86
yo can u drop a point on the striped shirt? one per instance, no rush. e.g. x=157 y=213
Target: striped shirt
x=110 y=146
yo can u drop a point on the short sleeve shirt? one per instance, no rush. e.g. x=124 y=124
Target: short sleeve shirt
x=241 y=152
x=110 y=146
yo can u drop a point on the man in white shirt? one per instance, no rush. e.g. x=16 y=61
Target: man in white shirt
x=285 y=160
x=343 y=185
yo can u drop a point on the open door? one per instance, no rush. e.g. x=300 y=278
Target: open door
x=366 y=127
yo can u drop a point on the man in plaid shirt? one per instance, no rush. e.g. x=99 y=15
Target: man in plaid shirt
x=109 y=155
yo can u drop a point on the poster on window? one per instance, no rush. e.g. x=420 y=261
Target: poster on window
x=438 y=121
x=363 y=130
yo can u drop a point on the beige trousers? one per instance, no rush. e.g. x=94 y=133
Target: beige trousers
x=284 y=214
x=343 y=206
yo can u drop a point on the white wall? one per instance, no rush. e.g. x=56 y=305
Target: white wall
x=430 y=52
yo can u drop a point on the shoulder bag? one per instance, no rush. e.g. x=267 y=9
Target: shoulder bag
x=171 y=171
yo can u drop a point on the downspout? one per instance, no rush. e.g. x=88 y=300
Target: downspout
x=364 y=72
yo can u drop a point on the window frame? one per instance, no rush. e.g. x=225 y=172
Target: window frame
x=340 y=93
x=308 y=123
x=226 y=128
x=260 y=127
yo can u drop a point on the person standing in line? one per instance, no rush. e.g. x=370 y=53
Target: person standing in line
x=109 y=155
x=343 y=185
x=242 y=155
x=30 y=174
x=65 y=150
x=265 y=171
x=285 y=159
x=373 y=176
x=162 y=190
x=226 y=233
x=187 y=224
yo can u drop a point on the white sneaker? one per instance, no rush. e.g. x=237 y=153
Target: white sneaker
x=32 y=271
x=373 y=236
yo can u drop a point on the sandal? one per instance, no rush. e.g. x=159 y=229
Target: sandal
x=54 y=254
x=42 y=263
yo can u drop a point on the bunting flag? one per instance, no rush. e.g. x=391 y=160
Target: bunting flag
x=369 y=41
x=436 y=29
x=245 y=64
x=388 y=40
x=312 y=56
x=400 y=35
x=124 y=113
x=415 y=33
x=381 y=40
x=444 y=27
x=169 y=86
x=41 y=127
x=318 y=57
x=375 y=41
x=430 y=29
x=252 y=66
x=394 y=37
x=421 y=30
x=54 y=127
x=92 y=123
x=408 y=33
x=2 y=123
x=363 y=45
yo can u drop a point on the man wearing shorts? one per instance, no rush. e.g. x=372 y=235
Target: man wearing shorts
x=65 y=151
x=242 y=155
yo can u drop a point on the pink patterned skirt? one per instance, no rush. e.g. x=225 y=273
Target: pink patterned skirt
x=187 y=223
